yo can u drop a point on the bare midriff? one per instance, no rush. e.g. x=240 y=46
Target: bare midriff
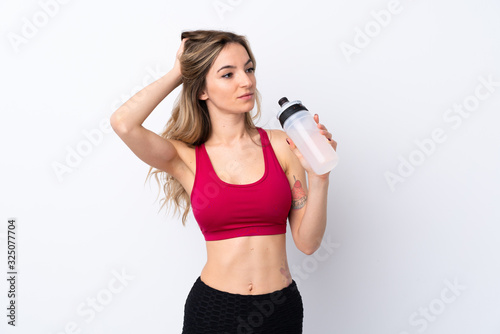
x=251 y=265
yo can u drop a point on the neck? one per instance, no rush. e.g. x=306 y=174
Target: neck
x=228 y=130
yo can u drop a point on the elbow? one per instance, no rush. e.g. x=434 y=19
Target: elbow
x=307 y=243
x=117 y=123
x=308 y=249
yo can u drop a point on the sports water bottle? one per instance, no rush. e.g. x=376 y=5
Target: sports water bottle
x=300 y=126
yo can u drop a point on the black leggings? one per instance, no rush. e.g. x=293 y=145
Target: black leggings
x=211 y=311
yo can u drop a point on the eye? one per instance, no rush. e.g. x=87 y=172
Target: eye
x=227 y=75
x=251 y=70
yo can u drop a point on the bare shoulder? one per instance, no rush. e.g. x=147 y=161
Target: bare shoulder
x=277 y=138
x=274 y=134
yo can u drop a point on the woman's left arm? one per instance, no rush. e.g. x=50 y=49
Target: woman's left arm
x=307 y=216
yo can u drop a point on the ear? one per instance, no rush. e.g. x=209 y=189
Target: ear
x=203 y=95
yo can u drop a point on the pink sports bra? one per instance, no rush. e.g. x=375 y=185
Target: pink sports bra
x=224 y=210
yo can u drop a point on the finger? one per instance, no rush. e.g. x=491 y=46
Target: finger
x=323 y=130
x=334 y=145
x=290 y=143
x=181 y=47
x=326 y=133
x=316 y=118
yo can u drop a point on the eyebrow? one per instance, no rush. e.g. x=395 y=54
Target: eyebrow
x=232 y=66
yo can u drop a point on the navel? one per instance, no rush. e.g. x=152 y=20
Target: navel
x=250 y=287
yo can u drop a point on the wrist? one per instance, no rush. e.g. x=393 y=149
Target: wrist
x=175 y=75
x=324 y=178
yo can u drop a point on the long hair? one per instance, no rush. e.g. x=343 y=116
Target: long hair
x=190 y=120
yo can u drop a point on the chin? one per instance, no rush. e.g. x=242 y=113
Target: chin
x=241 y=108
x=249 y=106
x=248 y=109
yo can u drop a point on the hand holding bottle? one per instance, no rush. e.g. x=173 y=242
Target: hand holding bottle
x=307 y=138
x=299 y=155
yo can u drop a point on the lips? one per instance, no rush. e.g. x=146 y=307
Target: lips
x=246 y=96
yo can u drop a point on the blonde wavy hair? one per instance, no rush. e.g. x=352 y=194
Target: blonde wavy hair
x=190 y=120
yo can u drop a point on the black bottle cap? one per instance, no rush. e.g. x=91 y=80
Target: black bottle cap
x=282 y=101
x=290 y=110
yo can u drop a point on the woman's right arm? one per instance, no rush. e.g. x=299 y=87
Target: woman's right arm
x=127 y=121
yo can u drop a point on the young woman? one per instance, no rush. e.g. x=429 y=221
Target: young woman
x=243 y=183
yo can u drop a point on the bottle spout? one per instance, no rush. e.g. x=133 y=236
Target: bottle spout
x=282 y=101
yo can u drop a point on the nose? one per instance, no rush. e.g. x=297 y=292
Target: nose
x=246 y=80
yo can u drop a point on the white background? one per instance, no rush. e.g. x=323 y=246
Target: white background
x=392 y=249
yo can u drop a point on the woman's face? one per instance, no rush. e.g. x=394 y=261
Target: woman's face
x=230 y=82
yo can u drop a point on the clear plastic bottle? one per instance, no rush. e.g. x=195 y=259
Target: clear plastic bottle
x=300 y=126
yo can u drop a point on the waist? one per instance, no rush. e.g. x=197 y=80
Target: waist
x=247 y=265
x=244 y=230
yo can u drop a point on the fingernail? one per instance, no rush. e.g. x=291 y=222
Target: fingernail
x=287 y=141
